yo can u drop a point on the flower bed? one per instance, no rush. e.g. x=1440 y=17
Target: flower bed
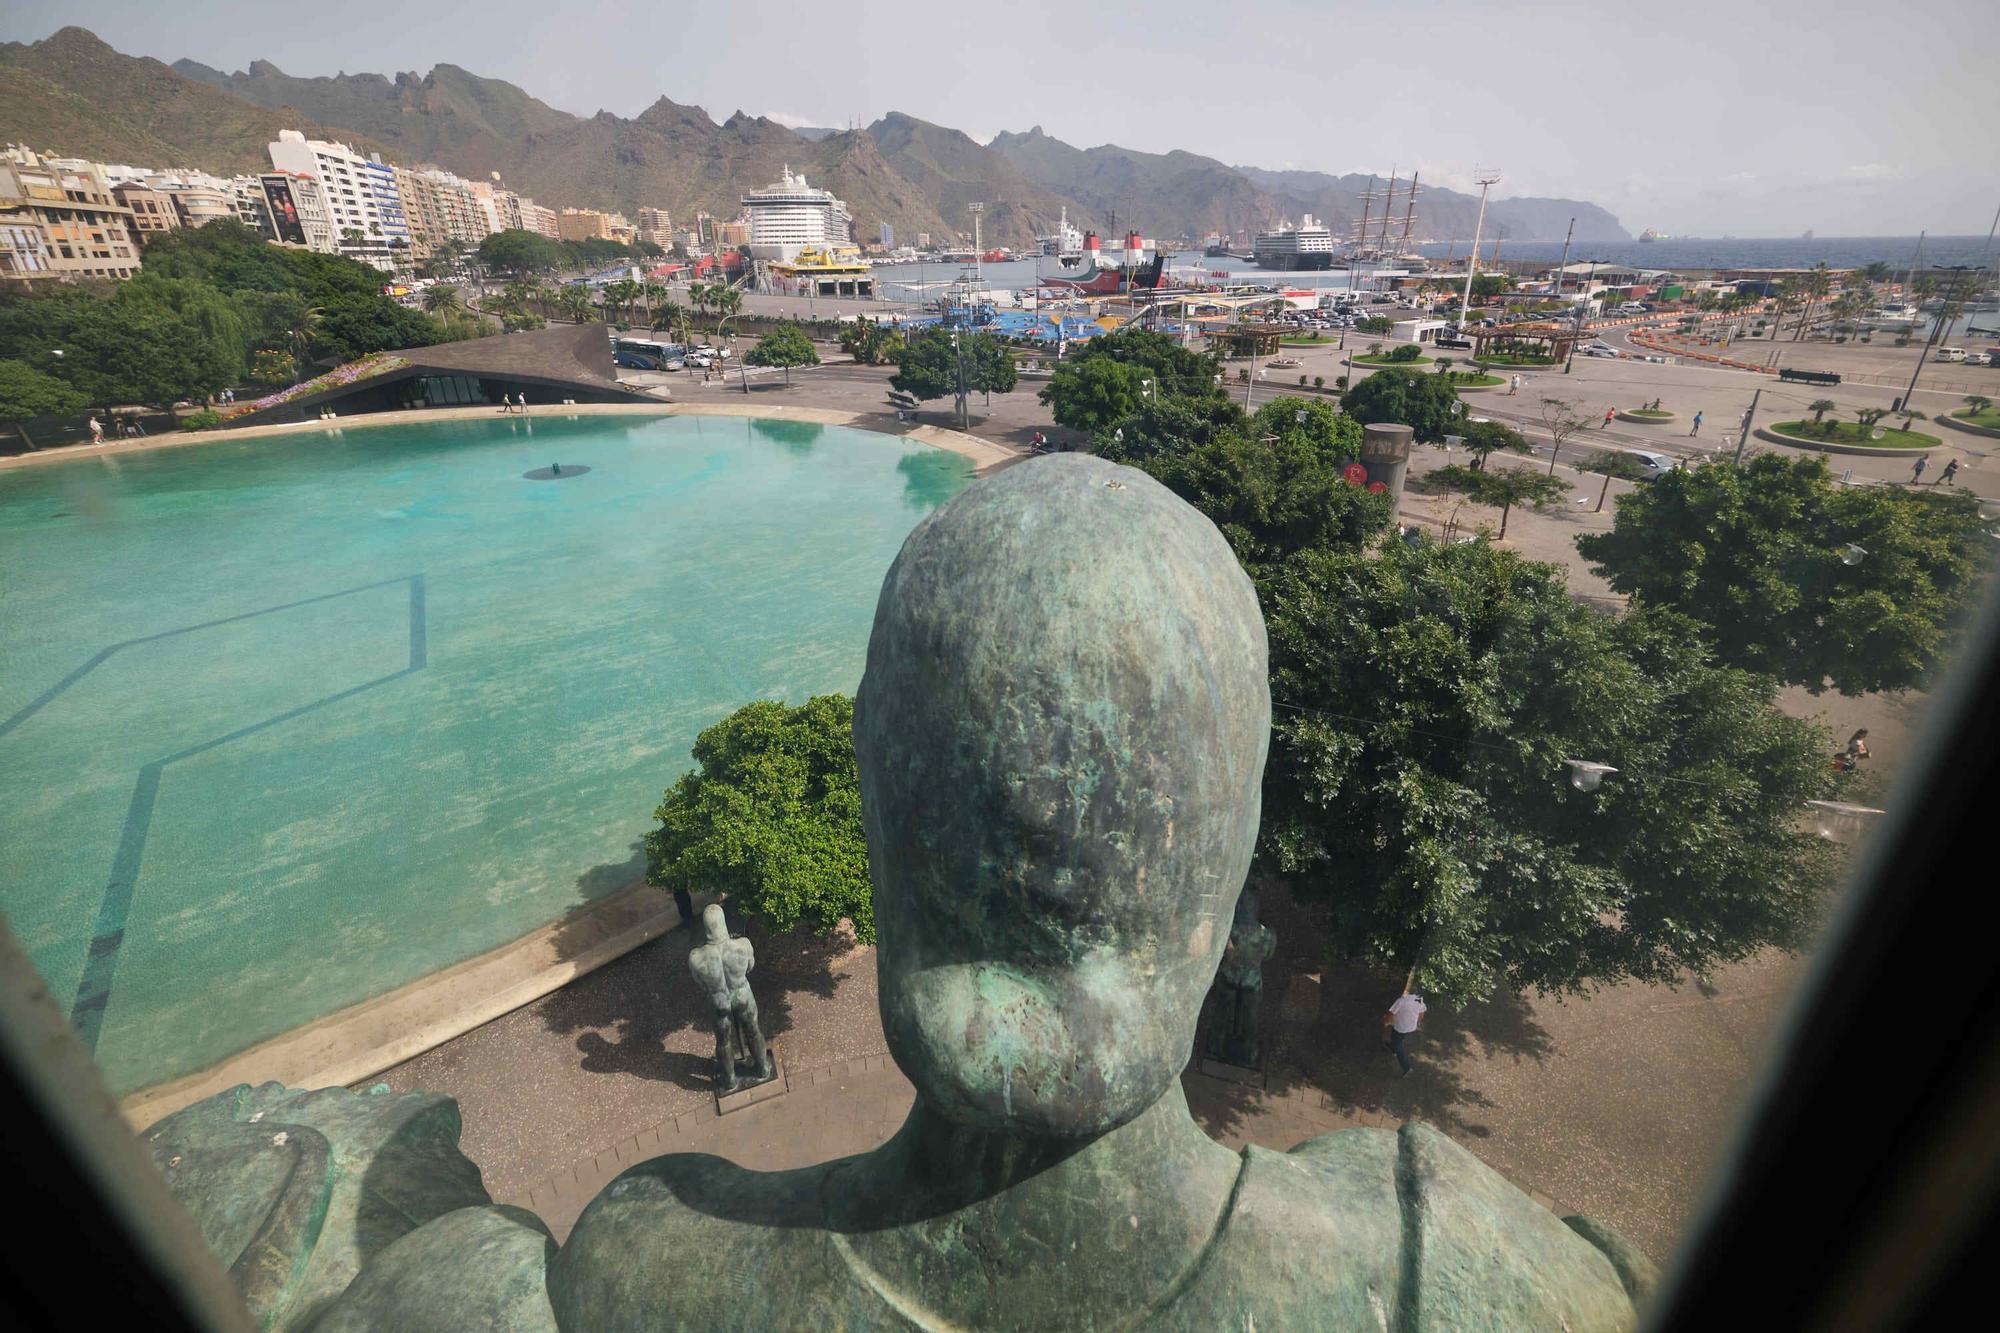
x=353 y=372
x=1387 y=360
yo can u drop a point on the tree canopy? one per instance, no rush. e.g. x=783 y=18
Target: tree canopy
x=771 y=815
x=1085 y=395
x=1502 y=487
x=210 y=300
x=1760 y=554
x=930 y=364
x=1425 y=700
x=786 y=346
x=1427 y=403
x=1278 y=486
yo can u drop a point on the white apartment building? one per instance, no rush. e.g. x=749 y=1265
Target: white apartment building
x=789 y=216
x=542 y=221
x=360 y=192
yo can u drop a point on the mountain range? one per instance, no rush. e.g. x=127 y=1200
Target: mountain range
x=73 y=95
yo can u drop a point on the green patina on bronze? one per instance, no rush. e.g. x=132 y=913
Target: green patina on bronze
x=1061 y=736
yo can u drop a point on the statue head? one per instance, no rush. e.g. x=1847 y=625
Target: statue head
x=713 y=922
x=1061 y=735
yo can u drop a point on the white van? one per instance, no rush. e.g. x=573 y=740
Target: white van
x=1951 y=354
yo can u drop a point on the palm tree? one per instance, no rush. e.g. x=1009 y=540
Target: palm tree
x=1815 y=285
x=574 y=301
x=669 y=314
x=621 y=295
x=300 y=339
x=442 y=299
x=1978 y=402
x=1819 y=407
x=652 y=293
x=1875 y=272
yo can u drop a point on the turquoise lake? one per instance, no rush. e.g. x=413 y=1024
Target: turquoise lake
x=287 y=723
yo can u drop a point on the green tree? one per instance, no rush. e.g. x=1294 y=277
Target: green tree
x=1502 y=488
x=1486 y=286
x=1095 y=393
x=348 y=329
x=26 y=392
x=1977 y=402
x=1159 y=357
x=1760 y=554
x=771 y=815
x=928 y=367
x=1374 y=325
x=1428 y=403
x=574 y=300
x=871 y=342
x=1482 y=438
x=1277 y=493
x=1425 y=700
x=521 y=253
x=441 y=298
x=1819 y=407
x=989 y=366
x=1168 y=423
x=785 y=346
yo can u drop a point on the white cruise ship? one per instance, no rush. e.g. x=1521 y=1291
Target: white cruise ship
x=1306 y=246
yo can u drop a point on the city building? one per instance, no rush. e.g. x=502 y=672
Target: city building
x=360 y=193
x=789 y=215
x=83 y=231
x=298 y=213
x=199 y=205
x=888 y=237
x=153 y=209
x=657 y=226
x=583 y=224
x=542 y=221
x=732 y=235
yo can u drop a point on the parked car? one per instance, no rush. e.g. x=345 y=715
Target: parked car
x=1599 y=351
x=1652 y=465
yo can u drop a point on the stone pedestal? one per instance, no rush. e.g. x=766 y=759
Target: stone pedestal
x=748 y=1093
x=1385 y=452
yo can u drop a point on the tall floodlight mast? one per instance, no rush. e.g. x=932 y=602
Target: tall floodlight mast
x=1486 y=179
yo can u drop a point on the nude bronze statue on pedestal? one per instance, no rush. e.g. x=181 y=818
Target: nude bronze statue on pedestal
x=722 y=967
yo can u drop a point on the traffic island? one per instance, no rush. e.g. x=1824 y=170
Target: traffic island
x=1647 y=416
x=1973 y=423
x=1848 y=437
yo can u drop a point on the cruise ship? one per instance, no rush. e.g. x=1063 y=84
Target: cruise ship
x=1308 y=245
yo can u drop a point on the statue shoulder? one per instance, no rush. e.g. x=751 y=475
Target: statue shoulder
x=1380 y=1227
x=476 y=1270
x=1474 y=1247
x=694 y=1241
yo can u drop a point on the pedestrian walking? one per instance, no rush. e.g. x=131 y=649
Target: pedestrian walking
x=1609 y=413
x=96 y=431
x=1697 y=425
x=1856 y=751
x=1950 y=471
x=1917 y=471
x=1513 y=386
x=1403 y=1018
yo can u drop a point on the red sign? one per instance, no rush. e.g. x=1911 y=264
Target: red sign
x=1355 y=474
x=1377 y=487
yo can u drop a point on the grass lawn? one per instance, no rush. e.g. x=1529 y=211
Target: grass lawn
x=1309 y=340
x=1990 y=418
x=1390 y=361
x=1853 y=432
x=1508 y=359
x=1466 y=379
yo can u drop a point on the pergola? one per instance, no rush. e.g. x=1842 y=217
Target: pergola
x=1556 y=337
x=1248 y=339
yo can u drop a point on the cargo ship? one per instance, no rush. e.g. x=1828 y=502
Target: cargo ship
x=1306 y=246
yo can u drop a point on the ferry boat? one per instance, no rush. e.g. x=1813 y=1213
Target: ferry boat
x=1648 y=236
x=1306 y=246
x=828 y=271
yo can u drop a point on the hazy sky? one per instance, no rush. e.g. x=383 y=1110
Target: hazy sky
x=1751 y=117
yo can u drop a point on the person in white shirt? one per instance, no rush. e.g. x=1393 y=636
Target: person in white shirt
x=1403 y=1018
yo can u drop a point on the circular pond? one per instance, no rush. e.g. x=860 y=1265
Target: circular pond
x=286 y=723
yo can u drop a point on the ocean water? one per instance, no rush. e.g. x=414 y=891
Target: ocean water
x=287 y=723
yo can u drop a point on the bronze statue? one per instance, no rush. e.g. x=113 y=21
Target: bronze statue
x=1237 y=998
x=722 y=966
